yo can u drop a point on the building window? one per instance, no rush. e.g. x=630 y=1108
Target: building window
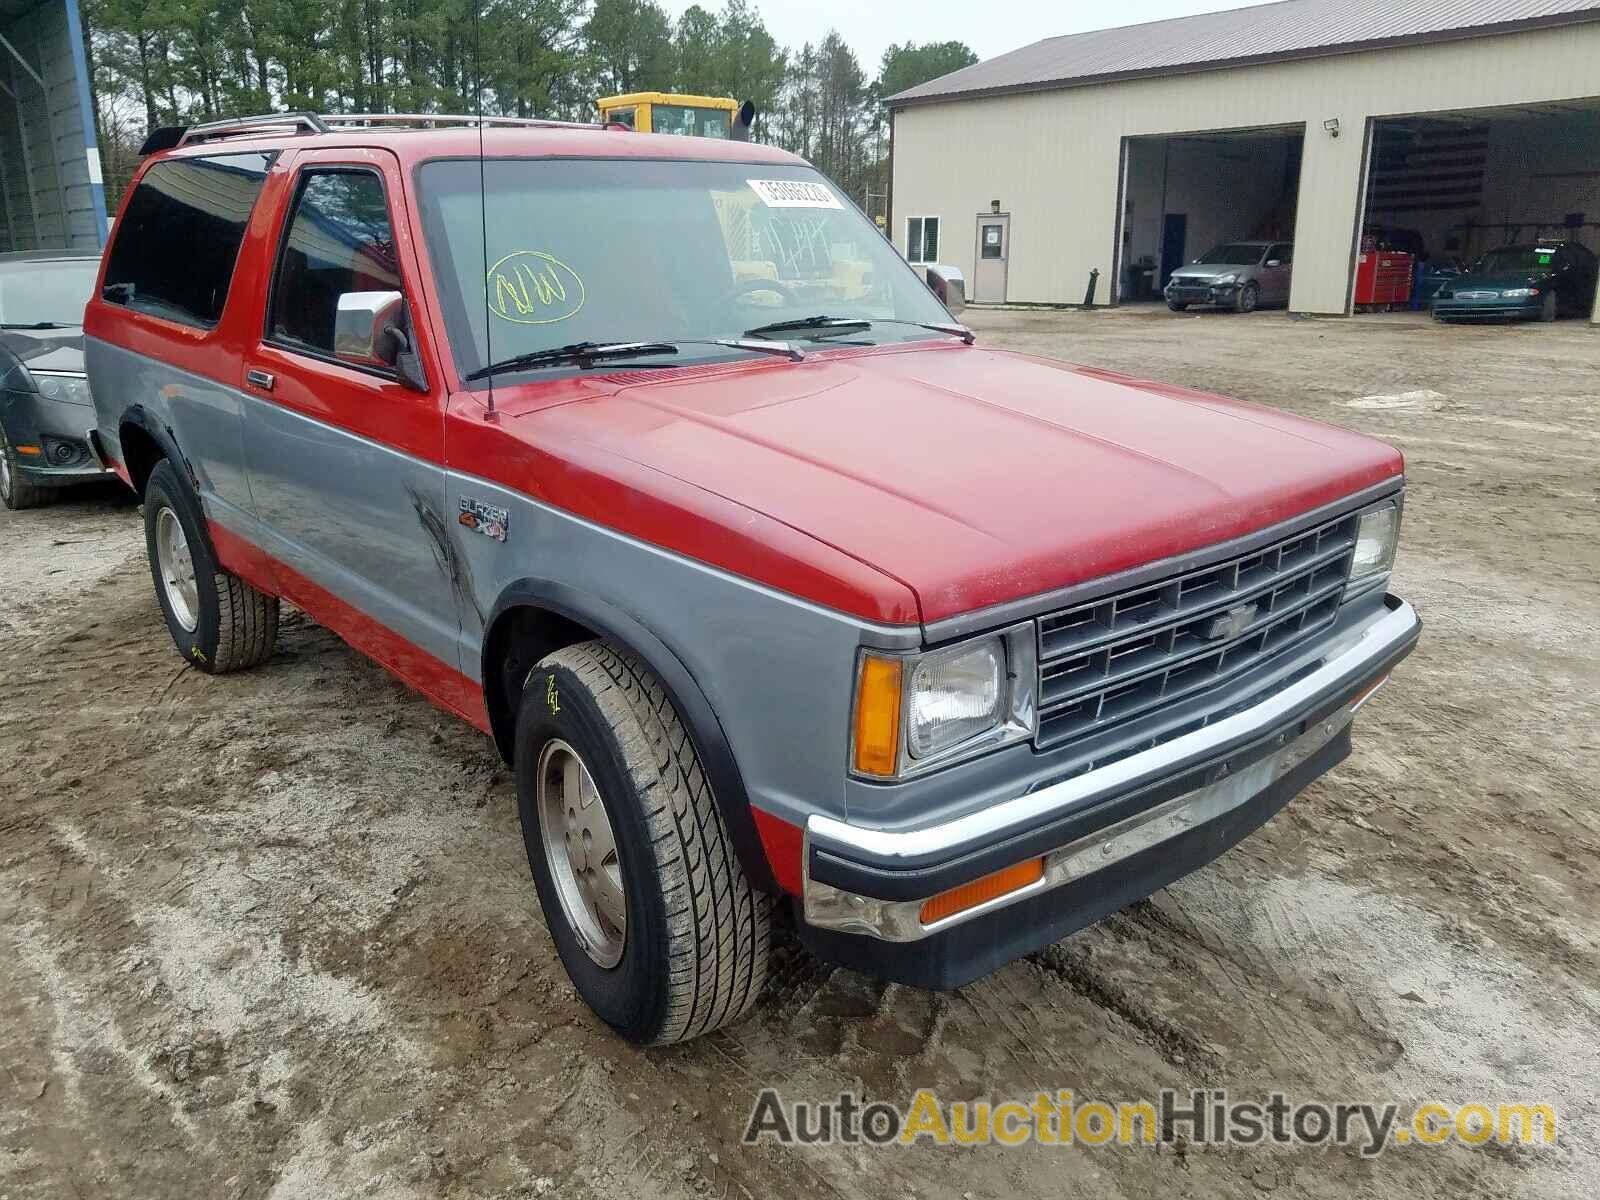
x=922 y=239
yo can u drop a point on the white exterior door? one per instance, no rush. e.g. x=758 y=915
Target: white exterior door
x=990 y=262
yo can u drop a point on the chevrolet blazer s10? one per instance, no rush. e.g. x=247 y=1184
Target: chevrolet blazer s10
x=649 y=457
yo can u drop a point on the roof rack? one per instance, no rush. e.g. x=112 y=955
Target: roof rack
x=301 y=122
x=310 y=122
x=288 y=122
x=438 y=120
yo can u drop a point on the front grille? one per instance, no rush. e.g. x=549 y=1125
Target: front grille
x=1111 y=662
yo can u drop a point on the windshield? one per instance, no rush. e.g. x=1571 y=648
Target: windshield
x=49 y=292
x=610 y=250
x=697 y=122
x=1517 y=260
x=1231 y=254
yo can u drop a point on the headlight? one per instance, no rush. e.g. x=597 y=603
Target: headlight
x=1226 y=279
x=954 y=696
x=74 y=389
x=1377 y=536
x=914 y=712
x=1520 y=293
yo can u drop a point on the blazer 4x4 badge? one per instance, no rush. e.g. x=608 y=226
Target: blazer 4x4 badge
x=484 y=518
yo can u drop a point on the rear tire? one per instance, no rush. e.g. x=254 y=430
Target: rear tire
x=682 y=950
x=217 y=620
x=1248 y=298
x=15 y=491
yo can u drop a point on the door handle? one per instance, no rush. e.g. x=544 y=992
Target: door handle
x=258 y=378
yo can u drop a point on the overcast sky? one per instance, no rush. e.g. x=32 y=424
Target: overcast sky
x=990 y=27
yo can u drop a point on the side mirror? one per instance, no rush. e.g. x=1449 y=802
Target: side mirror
x=361 y=328
x=743 y=121
x=369 y=330
x=948 y=284
x=1273 y=262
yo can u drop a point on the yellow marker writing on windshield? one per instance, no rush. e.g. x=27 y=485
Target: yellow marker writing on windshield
x=531 y=287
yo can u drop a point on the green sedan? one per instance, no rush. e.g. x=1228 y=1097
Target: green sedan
x=1538 y=281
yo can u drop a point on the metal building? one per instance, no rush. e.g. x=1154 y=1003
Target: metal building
x=51 y=192
x=1454 y=124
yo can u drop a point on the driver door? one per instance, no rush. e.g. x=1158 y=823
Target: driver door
x=1275 y=269
x=343 y=457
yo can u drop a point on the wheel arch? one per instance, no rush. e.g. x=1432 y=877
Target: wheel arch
x=144 y=443
x=533 y=617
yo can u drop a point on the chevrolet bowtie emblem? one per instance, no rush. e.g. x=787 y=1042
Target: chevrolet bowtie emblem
x=1229 y=624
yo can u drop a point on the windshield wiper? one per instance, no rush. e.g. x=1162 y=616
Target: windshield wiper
x=817 y=326
x=825 y=326
x=585 y=354
x=759 y=345
x=953 y=328
x=34 y=325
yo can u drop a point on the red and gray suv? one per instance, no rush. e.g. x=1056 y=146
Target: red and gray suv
x=650 y=458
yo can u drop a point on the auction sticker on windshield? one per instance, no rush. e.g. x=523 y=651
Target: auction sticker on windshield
x=794 y=193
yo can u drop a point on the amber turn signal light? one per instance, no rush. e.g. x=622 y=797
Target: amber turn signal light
x=877 y=723
x=981 y=891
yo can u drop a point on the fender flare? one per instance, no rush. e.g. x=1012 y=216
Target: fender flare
x=162 y=435
x=705 y=729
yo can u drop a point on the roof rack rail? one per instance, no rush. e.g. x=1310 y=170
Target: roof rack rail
x=309 y=122
x=288 y=122
x=435 y=120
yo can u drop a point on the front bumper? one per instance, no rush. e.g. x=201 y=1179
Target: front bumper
x=1463 y=310
x=1107 y=837
x=52 y=439
x=1201 y=293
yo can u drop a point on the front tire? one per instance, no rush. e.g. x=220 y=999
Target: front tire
x=1248 y=298
x=15 y=491
x=1176 y=306
x=652 y=915
x=217 y=620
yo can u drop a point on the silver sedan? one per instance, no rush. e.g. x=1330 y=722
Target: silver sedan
x=1237 y=275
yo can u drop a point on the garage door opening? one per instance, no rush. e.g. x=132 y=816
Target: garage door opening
x=51 y=193
x=1187 y=196
x=1506 y=200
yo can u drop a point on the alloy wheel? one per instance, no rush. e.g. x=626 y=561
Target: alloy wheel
x=178 y=580
x=581 y=851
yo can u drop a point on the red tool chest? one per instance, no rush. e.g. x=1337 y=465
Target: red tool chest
x=1383 y=277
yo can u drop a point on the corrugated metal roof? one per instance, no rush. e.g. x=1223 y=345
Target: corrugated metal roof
x=1263 y=33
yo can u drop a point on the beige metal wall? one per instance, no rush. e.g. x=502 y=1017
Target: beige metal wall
x=1052 y=158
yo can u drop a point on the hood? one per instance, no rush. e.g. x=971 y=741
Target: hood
x=1210 y=270
x=973 y=476
x=59 y=349
x=1470 y=281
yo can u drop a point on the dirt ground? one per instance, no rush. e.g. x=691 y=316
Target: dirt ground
x=272 y=935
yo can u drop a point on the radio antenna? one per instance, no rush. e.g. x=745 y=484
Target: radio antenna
x=483 y=197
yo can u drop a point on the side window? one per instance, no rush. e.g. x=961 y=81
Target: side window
x=178 y=240
x=922 y=239
x=338 y=241
x=1283 y=252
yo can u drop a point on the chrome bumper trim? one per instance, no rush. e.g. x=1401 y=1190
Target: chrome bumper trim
x=828 y=907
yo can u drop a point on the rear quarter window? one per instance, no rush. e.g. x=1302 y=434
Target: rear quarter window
x=178 y=240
